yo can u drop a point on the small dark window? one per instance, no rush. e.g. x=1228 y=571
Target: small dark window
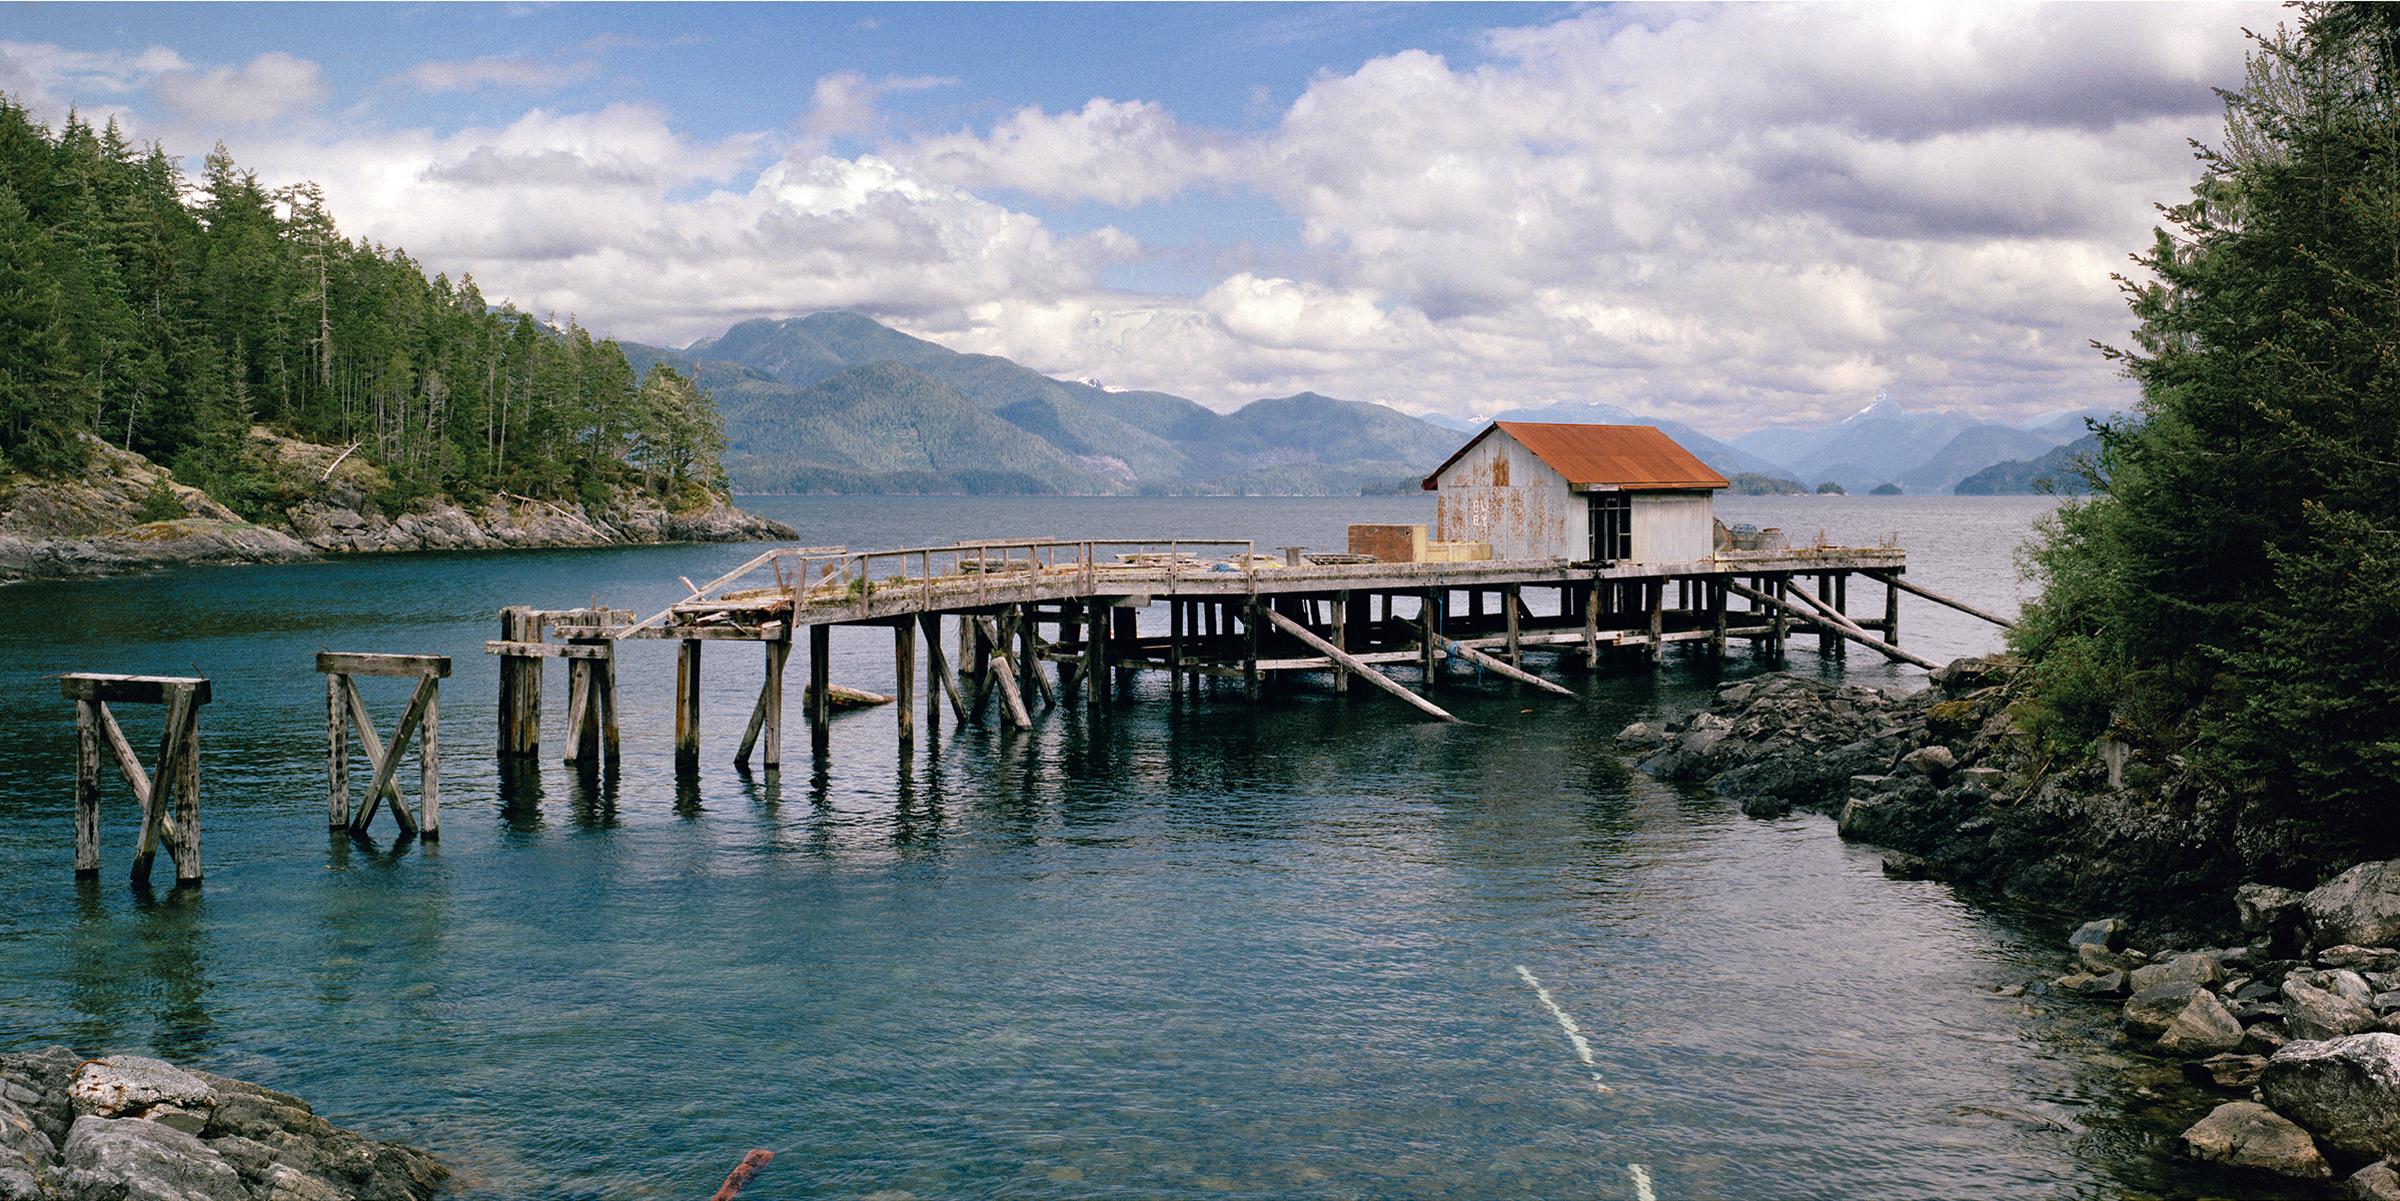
x=1612 y=526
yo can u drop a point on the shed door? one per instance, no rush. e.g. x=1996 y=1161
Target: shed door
x=1611 y=525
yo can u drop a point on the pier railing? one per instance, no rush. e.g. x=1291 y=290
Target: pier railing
x=978 y=572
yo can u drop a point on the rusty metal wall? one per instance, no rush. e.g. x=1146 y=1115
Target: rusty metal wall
x=1502 y=494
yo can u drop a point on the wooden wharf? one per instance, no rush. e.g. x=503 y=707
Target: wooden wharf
x=1229 y=613
x=1012 y=607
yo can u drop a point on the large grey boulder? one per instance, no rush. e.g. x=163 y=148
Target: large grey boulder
x=2374 y=1182
x=115 y=1159
x=2150 y=1011
x=2347 y=1090
x=137 y=1086
x=2361 y=906
x=2202 y=1027
x=2107 y=933
x=1935 y=762
x=2249 y=1135
x=2194 y=967
x=2314 y=1013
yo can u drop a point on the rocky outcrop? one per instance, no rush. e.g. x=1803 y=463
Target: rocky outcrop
x=1953 y=788
x=126 y=513
x=131 y=1128
x=2249 y=1135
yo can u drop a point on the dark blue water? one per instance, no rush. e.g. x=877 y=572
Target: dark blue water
x=1185 y=947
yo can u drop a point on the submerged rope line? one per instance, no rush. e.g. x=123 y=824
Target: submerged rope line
x=1583 y=1051
x=1566 y=1022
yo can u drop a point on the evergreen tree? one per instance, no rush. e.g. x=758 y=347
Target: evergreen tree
x=2228 y=587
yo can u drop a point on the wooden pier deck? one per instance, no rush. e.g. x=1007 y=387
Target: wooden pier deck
x=1097 y=611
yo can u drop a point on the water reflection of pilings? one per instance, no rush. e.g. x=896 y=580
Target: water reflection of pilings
x=156 y=970
x=592 y=795
x=916 y=811
x=521 y=793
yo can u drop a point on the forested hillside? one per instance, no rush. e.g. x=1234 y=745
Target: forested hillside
x=167 y=316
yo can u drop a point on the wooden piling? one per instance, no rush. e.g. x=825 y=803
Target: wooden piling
x=1512 y=602
x=766 y=714
x=820 y=686
x=1658 y=620
x=904 y=671
x=337 y=753
x=1716 y=615
x=520 y=684
x=687 y=706
x=1429 y=622
x=87 y=790
x=937 y=669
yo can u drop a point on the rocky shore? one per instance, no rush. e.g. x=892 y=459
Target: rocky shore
x=2289 y=1001
x=130 y=1128
x=1948 y=783
x=125 y=513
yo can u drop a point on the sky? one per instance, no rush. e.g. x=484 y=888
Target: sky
x=1736 y=215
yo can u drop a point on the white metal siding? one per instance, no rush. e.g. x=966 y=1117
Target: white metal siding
x=1532 y=515
x=1673 y=527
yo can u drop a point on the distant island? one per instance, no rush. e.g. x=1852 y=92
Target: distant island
x=2060 y=470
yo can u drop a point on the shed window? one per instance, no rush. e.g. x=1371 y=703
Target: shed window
x=1612 y=526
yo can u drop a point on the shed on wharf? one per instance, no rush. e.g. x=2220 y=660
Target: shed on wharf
x=1587 y=493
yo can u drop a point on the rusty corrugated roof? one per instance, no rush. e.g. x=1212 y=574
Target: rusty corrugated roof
x=1632 y=457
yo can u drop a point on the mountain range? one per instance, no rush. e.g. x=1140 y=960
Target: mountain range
x=839 y=402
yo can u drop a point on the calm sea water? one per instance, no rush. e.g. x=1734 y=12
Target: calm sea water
x=1185 y=948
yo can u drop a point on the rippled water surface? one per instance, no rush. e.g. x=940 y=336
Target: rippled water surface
x=1188 y=947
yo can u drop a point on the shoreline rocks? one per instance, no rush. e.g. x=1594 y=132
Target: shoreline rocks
x=132 y=1128
x=98 y=524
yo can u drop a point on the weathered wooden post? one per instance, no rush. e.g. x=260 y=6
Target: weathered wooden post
x=1095 y=653
x=591 y=699
x=1591 y=624
x=520 y=683
x=820 y=687
x=904 y=670
x=940 y=681
x=1839 y=597
x=687 y=707
x=1128 y=637
x=1716 y=613
x=1658 y=620
x=175 y=781
x=766 y=716
x=1891 y=610
x=1511 y=599
x=422 y=720
x=1174 y=647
